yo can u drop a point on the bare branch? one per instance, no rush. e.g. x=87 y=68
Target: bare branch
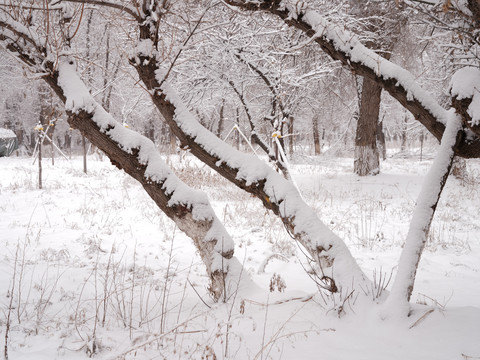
x=108 y=4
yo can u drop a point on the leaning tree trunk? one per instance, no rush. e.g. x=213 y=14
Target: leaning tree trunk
x=366 y=151
x=188 y=208
x=337 y=270
x=397 y=302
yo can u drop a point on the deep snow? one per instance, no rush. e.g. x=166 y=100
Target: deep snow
x=85 y=236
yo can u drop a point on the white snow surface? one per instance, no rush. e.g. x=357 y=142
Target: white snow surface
x=83 y=231
x=465 y=84
x=6 y=133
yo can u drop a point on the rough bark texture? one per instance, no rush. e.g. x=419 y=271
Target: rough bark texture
x=461 y=107
x=381 y=143
x=382 y=22
x=221 y=119
x=366 y=151
x=474 y=6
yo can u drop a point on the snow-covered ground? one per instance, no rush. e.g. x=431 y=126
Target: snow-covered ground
x=91 y=267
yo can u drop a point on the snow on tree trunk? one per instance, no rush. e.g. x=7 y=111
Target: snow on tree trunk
x=366 y=161
x=397 y=302
x=465 y=91
x=137 y=156
x=337 y=269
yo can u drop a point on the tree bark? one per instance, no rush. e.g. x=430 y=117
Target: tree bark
x=366 y=151
x=326 y=248
x=381 y=143
x=190 y=211
x=221 y=120
x=199 y=230
x=316 y=135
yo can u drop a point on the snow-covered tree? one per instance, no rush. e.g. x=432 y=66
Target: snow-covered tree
x=159 y=34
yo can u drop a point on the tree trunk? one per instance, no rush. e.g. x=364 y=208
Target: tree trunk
x=382 y=145
x=337 y=269
x=403 y=145
x=237 y=132
x=341 y=45
x=422 y=217
x=316 y=135
x=221 y=120
x=173 y=142
x=291 y=137
x=366 y=152
x=188 y=208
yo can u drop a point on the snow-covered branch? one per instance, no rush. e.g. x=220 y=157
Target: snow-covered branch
x=343 y=46
x=338 y=269
x=465 y=91
x=137 y=155
x=135 y=12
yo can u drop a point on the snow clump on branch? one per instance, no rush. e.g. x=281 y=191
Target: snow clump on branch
x=465 y=84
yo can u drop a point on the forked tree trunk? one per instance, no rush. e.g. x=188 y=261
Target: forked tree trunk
x=366 y=152
x=337 y=269
x=340 y=45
